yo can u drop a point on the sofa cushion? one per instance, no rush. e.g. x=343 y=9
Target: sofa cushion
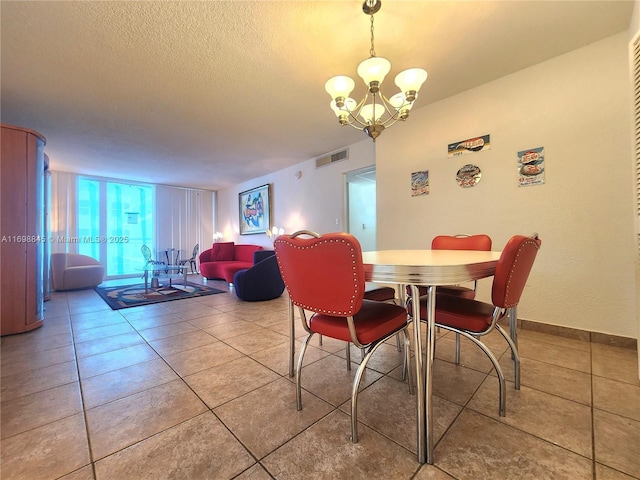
x=244 y=253
x=222 y=252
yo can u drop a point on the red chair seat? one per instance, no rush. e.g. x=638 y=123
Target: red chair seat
x=461 y=313
x=456 y=290
x=374 y=321
x=380 y=294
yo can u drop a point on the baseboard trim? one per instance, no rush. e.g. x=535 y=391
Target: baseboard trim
x=577 y=334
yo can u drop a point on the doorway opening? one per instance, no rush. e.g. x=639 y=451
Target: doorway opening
x=361 y=206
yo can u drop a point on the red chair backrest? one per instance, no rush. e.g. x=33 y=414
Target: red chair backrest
x=323 y=274
x=470 y=242
x=513 y=270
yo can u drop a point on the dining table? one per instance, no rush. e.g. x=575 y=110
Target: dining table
x=413 y=269
x=426 y=268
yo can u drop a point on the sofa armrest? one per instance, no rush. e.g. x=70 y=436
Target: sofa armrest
x=205 y=256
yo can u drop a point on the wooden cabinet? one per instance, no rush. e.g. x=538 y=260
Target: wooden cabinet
x=21 y=229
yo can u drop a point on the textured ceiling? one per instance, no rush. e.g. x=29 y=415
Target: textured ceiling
x=212 y=93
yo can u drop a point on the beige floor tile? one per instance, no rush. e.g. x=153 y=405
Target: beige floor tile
x=605 y=473
x=40 y=344
x=108 y=344
x=257 y=472
x=109 y=361
x=554 y=379
x=385 y=358
x=198 y=448
x=455 y=383
x=102 y=332
x=617 y=442
x=329 y=379
x=84 y=473
x=126 y=381
x=230 y=380
x=124 y=422
x=619 y=364
x=183 y=342
x=387 y=407
x=277 y=358
x=554 y=340
x=257 y=340
x=213 y=319
x=88 y=307
x=165 y=331
x=31 y=411
x=229 y=330
x=145 y=311
x=195 y=311
x=281 y=327
x=557 y=420
x=46 y=452
x=575 y=359
x=429 y=472
x=470 y=355
x=267 y=417
x=21 y=384
x=325 y=451
x=617 y=397
x=155 y=321
x=89 y=321
x=22 y=363
x=201 y=358
x=478 y=447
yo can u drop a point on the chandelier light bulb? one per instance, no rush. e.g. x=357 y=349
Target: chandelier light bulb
x=339 y=87
x=374 y=69
x=410 y=81
x=371 y=113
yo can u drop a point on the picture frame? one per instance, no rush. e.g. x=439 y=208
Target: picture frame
x=254 y=208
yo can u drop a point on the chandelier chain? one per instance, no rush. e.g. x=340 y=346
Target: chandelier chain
x=372 y=51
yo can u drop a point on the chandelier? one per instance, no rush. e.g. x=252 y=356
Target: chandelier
x=381 y=112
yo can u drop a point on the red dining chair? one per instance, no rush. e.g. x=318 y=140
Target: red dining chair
x=458 y=242
x=324 y=275
x=473 y=319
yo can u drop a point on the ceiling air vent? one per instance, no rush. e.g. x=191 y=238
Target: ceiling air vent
x=334 y=157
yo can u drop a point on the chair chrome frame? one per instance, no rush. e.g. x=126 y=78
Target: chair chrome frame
x=505 y=304
x=368 y=348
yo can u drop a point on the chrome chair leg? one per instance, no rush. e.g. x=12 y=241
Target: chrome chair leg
x=501 y=383
x=457 y=359
x=514 y=355
x=303 y=349
x=513 y=326
x=348 y=356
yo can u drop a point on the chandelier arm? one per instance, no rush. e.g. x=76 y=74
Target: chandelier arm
x=392 y=112
x=353 y=114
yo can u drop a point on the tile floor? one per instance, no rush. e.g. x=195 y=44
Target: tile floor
x=198 y=389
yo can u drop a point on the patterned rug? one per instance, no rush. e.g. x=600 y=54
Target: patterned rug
x=125 y=296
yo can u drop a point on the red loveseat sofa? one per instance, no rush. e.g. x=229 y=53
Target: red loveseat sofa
x=224 y=259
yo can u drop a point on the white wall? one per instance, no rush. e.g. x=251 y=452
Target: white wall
x=313 y=202
x=576 y=106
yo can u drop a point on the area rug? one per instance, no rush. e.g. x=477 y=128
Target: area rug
x=125 y=296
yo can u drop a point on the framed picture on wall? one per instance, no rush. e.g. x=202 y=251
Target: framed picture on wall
x=255 y=210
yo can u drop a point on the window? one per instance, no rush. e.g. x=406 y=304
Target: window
x=114 y=229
